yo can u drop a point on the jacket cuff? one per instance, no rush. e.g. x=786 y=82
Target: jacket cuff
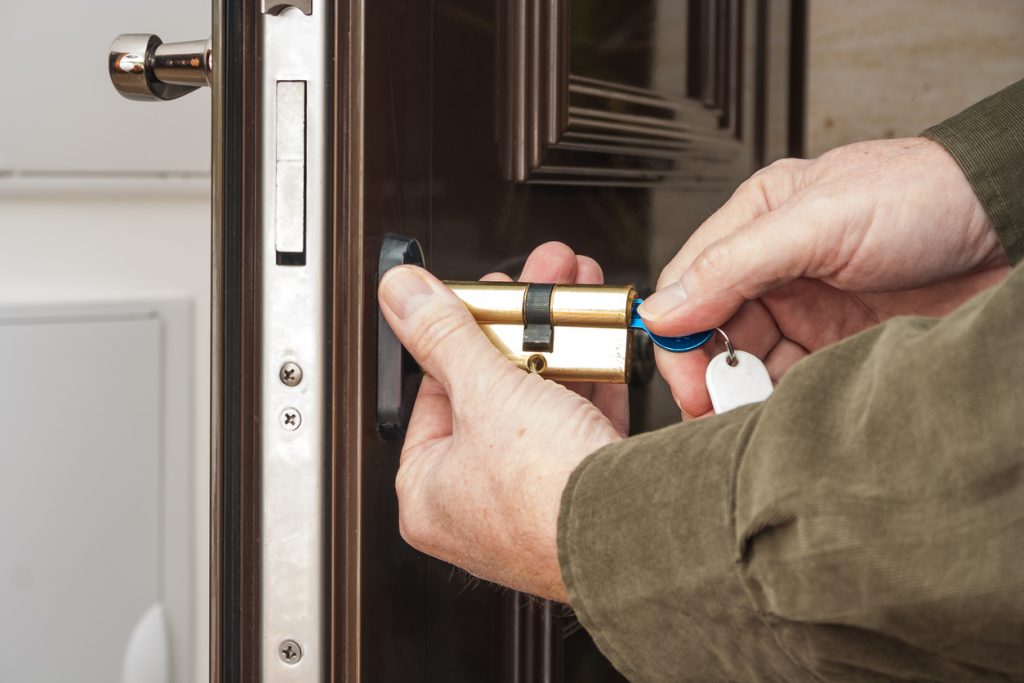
x=648 y=552
x=987 y=140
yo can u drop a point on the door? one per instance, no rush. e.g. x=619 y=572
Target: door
x=482 y=128
x=489 y=128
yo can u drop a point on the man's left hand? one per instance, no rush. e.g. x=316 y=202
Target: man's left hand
x=490 y=448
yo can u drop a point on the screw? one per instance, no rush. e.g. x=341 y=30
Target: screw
x=290 y=419
x=291 y=374
x=289 y=651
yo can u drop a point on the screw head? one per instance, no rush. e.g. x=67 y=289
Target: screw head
x=289 y=651
x=290 y=419
x=290 y=374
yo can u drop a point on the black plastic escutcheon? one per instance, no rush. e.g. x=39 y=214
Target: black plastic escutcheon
x=398 y=375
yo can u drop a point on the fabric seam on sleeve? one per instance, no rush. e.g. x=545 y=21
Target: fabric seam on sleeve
x=739 y=452
x=1000 y=205
x=599 y=636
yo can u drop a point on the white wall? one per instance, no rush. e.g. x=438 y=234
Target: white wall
x=106 y=199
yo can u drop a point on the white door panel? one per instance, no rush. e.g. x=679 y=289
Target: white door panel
x=94 y=491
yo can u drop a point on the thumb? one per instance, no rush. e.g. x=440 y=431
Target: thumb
x=765 y=255
x=439 y=332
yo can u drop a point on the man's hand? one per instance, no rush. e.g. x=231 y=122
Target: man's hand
x=806 y=253
x=490 y=447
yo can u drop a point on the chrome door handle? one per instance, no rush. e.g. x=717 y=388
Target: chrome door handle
x=143 y=67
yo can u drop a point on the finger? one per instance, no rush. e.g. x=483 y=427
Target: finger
x=784 y=356
x=431 y=417
x=496 y=277
x=551 y=262
x=554 y=263
x=815 y=314
x=588 y=271
x=744 y=206
x=768 y=253
x=439 y=332
x=610 y=399
x=684 y=374
x=752 y=329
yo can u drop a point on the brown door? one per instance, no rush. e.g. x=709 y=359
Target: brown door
x=482 y=128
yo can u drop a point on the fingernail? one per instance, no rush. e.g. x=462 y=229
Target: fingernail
x=404 y=290
x=661 y=303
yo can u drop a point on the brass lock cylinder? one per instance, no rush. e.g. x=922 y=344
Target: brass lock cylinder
x=588 y=337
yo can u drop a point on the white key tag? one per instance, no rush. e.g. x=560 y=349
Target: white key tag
x=736 y=378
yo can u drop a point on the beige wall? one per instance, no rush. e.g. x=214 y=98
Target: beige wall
x=890 y=68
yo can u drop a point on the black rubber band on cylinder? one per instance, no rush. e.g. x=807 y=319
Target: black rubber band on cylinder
x=538 y=331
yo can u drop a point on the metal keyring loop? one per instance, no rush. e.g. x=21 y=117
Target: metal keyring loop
x=732 y=360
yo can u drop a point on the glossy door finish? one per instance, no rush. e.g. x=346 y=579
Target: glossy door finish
x=483 y=128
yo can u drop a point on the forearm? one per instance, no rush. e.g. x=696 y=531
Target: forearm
x=863 y=522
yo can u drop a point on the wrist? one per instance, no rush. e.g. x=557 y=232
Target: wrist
x=547 y=572
x=980 y=237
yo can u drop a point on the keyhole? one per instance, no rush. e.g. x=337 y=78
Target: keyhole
x=536 y=363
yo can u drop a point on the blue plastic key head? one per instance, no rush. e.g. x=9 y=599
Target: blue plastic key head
x=674 y=344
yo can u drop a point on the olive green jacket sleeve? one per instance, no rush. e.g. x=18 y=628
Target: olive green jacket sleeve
x=988 y=142
x=865 y=523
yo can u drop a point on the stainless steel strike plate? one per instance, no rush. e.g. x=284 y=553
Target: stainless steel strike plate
x=578 y=333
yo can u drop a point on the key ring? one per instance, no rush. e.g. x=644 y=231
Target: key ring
x=732 y=360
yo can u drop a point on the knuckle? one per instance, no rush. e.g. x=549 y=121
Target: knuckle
x=754 y=192
x=679 y=263
x=775 y=183
x=787 y=165
x=714 y=259
x=666 y=278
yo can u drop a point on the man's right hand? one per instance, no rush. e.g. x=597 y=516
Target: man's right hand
x=806 y=253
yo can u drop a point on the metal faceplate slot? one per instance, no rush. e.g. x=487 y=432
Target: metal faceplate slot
x=290 y=173
x=590 y=336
